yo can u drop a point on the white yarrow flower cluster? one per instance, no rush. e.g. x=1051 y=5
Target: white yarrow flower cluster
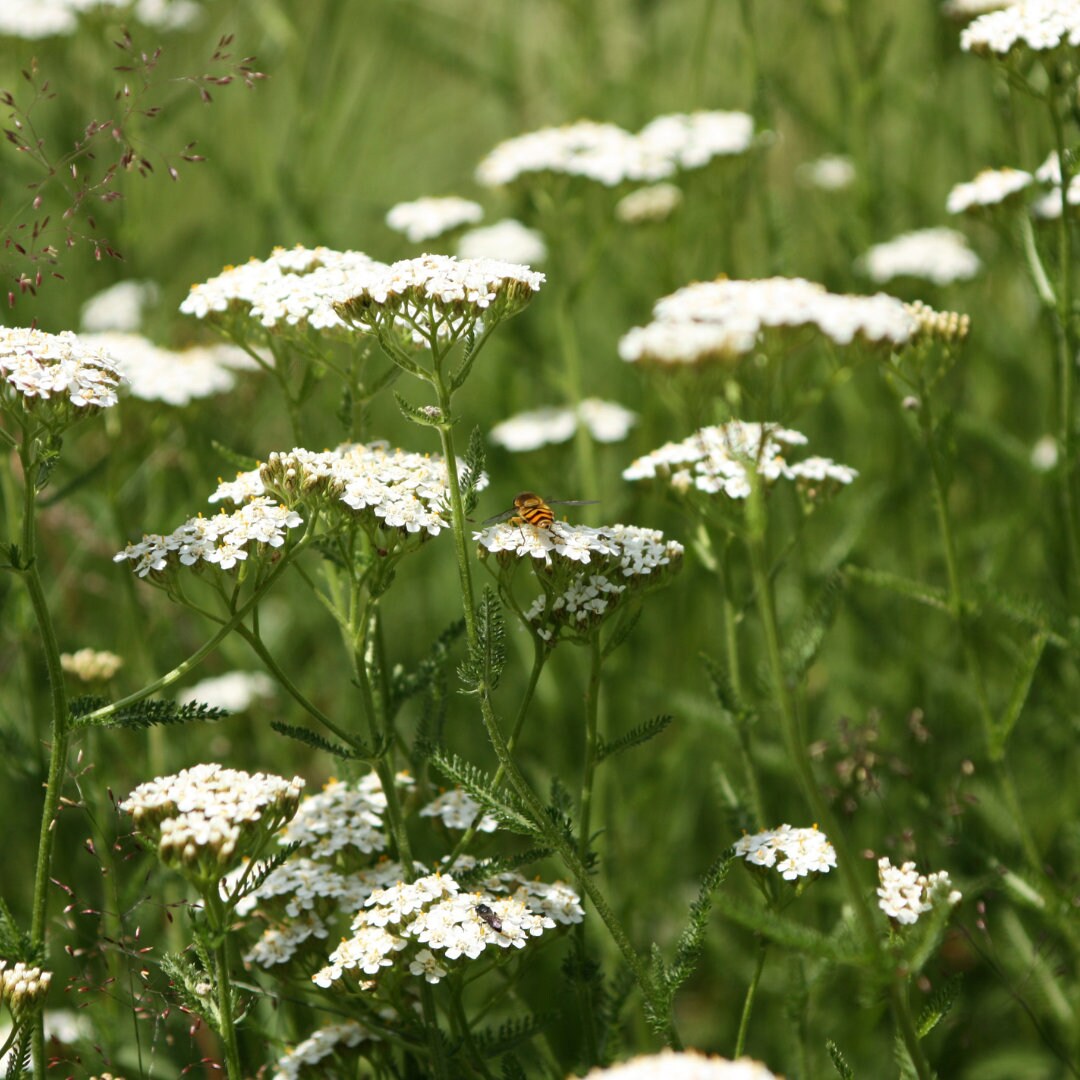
x=655 y=202
x=718 y=460
x=1038 y=25
x=119 y=307
x=904 y=894
x=683 y=1065
x=606 y=421
x=831 y=172
x=233 y=692
x=1048 y=205
x=203 y=819
x=724 y=320
x=152 y=373
x=459 y=810
x=990 y=187
x=294 y=287
x=433 y=923
x=38 y=367
x=430 y=217
x=91 y=665
x=609 y=155
x=938 y=255
x=970 y=9
x=341 y=816
x=794 y=853
x=387 y=489
x=509 y=240
x=221 y=541
x=322 y=1044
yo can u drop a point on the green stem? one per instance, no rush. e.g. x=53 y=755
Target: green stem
x=748 y=1003
x=1067 y=349
x=431 y=1029
x=584 y=451
x=800 y=758
x=540 y=655
x=216 y=918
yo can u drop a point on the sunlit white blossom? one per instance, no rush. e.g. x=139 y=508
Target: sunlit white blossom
x=341 y=816
x=832 y=172
x=794 y=853
x=119 y=307
x=38 y=367
x=508 y=240
x=428 y=218
x=989 y=188
x=938 y=255
x=683 y=1065
x=904 y=894
x=1038 y=25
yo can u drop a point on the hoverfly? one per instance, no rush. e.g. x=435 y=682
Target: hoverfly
x=530 y=509
x=489 y=916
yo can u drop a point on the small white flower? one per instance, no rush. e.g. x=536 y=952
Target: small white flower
x=794 y=853
x=1039 y=25
x=989 y=188
x=655 y=202
x=1044 y=454
x=234 y=692
x=606 y=421
x=40 y=367
x=904 y=894
x=428 y=218
x=832 y=172
x=90 y=665
x=683 y=1065
x=313 y=1050
x=938 y=255
x=459 y=811
x=119 y=307
x=508 y=240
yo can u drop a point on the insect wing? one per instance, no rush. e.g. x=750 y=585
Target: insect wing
x=504 y=516
x=573 y=502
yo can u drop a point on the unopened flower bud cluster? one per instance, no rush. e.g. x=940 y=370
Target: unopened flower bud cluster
x=91 y=665
x=223 y=541
x=794 y=853
x=723 y=320
x=428 y=924
x=720 y=460
x=386 y=489
x=22 y=985
x=904 y=894
x=204 y=819
x=950 y=327
x=55 y=371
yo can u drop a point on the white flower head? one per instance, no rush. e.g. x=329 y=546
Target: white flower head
x=655 y=202
x=1036 y=25
x=938 y=255
x=962 y=10
x=683 y=1065
x=316 y=1048
x=991 y=187
x=832 y=172
x=234 y=692
x=458 y=810
x=342 y=816
x=508 y=240
x=22 y=985
x=606 y=421
x=721 y=460
x=725 y=320
x=793 y=853
x=904 y=894
x=119 y=307
x=55 y=372
x=203 y=820
x=431 y=217
x=293 y=288
x=91 y=665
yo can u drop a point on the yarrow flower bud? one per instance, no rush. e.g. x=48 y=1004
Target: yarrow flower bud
x=90 y=665
x=905 y=894
x=22 y=985
x=205 y=819
x=794 y=853
x=56 y=374
x=947 y=326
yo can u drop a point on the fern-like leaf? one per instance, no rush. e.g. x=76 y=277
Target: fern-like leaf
x=491 y=1042
x=424 y=415
x=635 y=737
x=361 y=752
x=144 y=714
x=484 y=664
x=472 y=474
x=15 y=945
x=240 y=462
x=805 y=642
x=941 y=1001
x=902 y=586
x=843 y=1069
x=691 y=942
x=479 y=785
x=484 y=869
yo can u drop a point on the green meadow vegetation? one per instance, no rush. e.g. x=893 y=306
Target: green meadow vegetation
x=752 y=733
